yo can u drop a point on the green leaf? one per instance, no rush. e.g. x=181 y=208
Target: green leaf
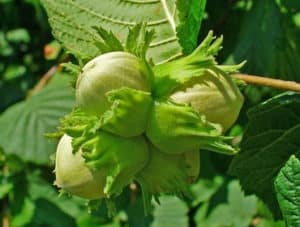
x=25 y=215
x=14 y=71
x=128 y=115
x=6 y=48
x=291 y=5
x=135 y=213
x=175 y=129
x=201 y=213
x=73 y=21
x=264 y=32
x=27 y=122
x=268 y=223
x=70 y=207
x=237 y=212
x=190 y=16
x=48 y=214
x=39 y=188
x=204 y=189
x=18 y=35
x=271 y=137
x=171 y=212
x=5 y=188
x=287 y=187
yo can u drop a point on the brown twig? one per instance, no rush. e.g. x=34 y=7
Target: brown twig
x=48 y=75
x=5 y=221
x=44 y=80
x=269 y=82
x=5 y=213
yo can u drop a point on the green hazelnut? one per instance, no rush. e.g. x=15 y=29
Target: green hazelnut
x=73 y=176
x=216 y=96
x=108 y=72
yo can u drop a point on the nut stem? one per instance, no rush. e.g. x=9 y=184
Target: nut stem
x=269 y=82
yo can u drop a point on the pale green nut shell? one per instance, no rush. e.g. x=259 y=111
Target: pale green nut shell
x=105 y=73
x=73 y=176
x=216 y=96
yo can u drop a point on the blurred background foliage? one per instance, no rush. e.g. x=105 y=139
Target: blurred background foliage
x=24 y=33
x=253 y=30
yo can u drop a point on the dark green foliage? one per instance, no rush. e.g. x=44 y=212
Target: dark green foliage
x=269 y=41
x=287 y=186
x=27 y=122
x=190 y=14
x=23 y=33
x=271 y=137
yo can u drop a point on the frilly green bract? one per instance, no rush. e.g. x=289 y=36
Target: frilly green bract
x=178 y=74
x=128 y=115
x=164 y=173
x=121 y=158
x=77 y=123
x=175 y=129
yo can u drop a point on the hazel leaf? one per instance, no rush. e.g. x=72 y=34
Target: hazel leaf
x=287 y=188
x=176 y=26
